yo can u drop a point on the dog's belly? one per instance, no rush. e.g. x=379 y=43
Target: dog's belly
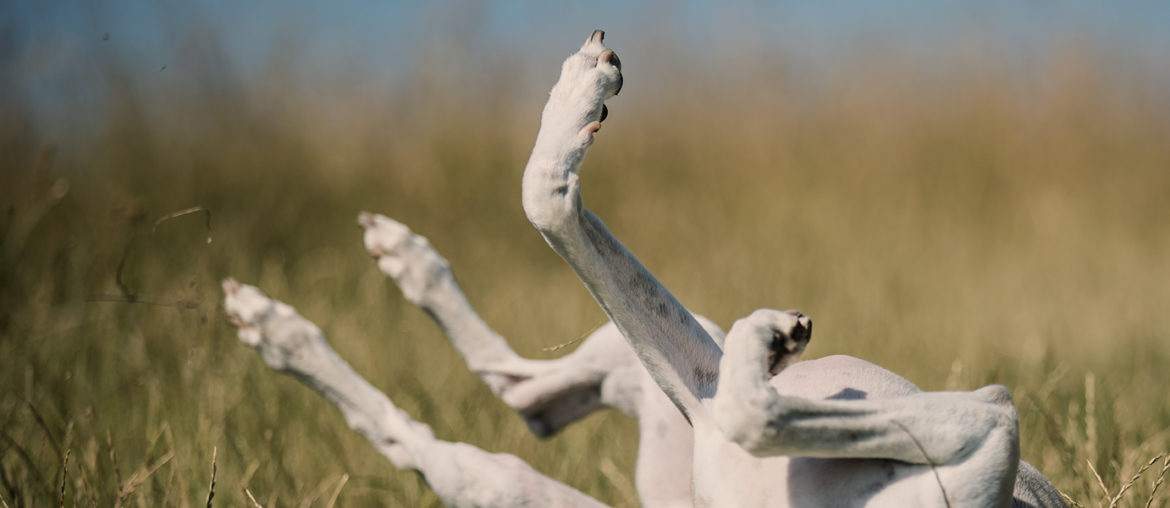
x=729 y=476
x=726 y=475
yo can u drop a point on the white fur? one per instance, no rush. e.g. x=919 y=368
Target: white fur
x=462 y=475
x=837 y=431
x=760 y=441
x=604 y=363
x=548 y=394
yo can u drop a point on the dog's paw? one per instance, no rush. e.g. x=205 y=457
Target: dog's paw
x=576 y=105
x=785 y=333
x=247 y=308
x=286 y=340
x=406 y=257
x=789 y=340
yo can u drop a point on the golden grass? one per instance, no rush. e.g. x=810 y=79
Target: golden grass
x=961 y=228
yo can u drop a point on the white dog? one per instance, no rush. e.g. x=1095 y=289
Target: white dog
x=768 y=430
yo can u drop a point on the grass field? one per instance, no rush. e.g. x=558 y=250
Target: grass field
x=961 y=228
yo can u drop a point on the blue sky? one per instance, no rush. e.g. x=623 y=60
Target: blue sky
x=365 y=25
x=58 y=42
x=367 y=29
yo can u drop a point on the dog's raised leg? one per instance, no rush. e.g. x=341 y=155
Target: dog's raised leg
x=548 y=394
x=676 y=350
x=461 y=474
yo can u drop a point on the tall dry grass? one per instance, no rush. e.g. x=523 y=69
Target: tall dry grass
x=961 y=226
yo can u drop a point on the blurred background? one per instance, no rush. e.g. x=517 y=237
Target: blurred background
x=963 y=192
